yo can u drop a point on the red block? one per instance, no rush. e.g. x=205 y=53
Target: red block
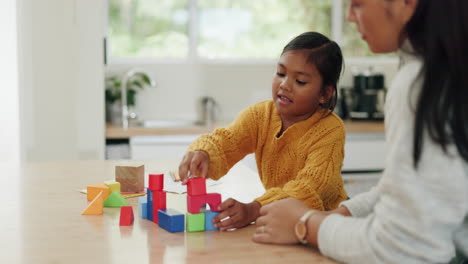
x=196 y=186
x=156 y=182
x=195 y=202
x=159 y=202
x=126 y=216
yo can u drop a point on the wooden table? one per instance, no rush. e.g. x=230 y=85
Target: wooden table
x=41 y=222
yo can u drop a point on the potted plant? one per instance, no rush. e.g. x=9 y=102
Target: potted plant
x=113 y=94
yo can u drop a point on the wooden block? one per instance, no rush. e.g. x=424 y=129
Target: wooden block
x=115 y=199
x=209 y=215
x=149 y=205
x=93 y=190
x=196 y=186
x=126 y=216
x=171 y=220
x=156 y=182
x=195 y=222
x=159 y=202
x=143 y=207
x=95 y=207
x=113 y=185
x=132 y=179
x=195 y=202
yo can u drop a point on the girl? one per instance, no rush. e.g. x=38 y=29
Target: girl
x=297 y=140
x=418 y=211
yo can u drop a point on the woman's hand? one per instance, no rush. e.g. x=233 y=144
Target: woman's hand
x=276 y=224
x=277 y=220
x=240 y=214
x=194 y=162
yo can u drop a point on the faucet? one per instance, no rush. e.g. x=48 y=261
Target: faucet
x=125 y=78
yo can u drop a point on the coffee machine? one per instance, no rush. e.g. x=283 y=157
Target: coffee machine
x=365 y=100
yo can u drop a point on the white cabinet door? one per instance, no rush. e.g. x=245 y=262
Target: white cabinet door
x=364 y=152
x=160 y=147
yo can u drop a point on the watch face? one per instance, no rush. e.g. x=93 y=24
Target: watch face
x=300 y=230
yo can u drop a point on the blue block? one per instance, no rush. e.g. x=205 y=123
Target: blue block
x=149 y=205
x=209 y=215
x=143 y=207
x=171 y=220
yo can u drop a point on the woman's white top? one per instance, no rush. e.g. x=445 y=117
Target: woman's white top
x=411 y=215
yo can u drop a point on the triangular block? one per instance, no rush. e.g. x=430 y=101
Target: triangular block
x=126 y=215
x=95 y=207
x=115 y=199
x=95 y=189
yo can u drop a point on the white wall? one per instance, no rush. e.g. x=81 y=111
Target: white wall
x=234 y=85
x=61 y=79
x=9 y=108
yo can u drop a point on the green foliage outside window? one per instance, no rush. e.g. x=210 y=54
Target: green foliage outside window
x=226 y=28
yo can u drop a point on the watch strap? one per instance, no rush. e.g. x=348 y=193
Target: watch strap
x=303 y=220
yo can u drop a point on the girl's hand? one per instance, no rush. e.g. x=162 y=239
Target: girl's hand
x=277 y=220
x=194 y=162
x=240 y=214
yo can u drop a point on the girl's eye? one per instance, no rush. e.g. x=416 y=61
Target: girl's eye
x=301 y=83
x=280 y=74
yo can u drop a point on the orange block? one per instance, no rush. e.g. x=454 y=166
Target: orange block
x=95 y=189
x=96 y=206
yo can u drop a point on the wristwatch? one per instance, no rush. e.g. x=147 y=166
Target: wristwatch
x=301 y=226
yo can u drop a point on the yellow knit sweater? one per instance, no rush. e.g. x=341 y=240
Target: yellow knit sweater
x=303 y=163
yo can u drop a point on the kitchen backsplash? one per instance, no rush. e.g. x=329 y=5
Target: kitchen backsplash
x=233 y=86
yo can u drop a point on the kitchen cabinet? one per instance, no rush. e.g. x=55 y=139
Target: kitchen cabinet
x=364 y=152
x=160 y=146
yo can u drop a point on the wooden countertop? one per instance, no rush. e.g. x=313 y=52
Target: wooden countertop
x=116 y=132
x=42 y=222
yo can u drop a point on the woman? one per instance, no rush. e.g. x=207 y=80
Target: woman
x=418 y=211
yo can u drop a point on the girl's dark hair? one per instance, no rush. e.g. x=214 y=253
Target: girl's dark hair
x=438 y=32
x=325 y=55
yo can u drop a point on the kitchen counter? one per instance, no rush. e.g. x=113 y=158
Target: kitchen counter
x=116 y=132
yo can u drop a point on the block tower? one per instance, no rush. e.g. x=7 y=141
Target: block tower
x=156 y=197
x=197 y=197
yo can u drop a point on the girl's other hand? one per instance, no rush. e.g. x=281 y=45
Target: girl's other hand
x=239 y=214
x=194 y=162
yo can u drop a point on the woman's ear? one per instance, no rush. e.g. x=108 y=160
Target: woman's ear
x=405 y=10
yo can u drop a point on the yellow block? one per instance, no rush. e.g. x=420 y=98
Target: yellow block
x=94 y=189
x=95 y=207
x=113 y=186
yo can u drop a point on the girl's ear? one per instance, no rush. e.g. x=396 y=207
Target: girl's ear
x=326 y=94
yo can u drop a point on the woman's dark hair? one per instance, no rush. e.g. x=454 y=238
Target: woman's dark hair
x=325 y=55
x=438 y=32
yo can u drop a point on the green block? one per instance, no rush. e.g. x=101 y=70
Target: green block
x=115 y=199
x=195 y=222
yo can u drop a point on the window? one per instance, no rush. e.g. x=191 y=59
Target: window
x=256 y=29
x=148 y=28
x=224 y=29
